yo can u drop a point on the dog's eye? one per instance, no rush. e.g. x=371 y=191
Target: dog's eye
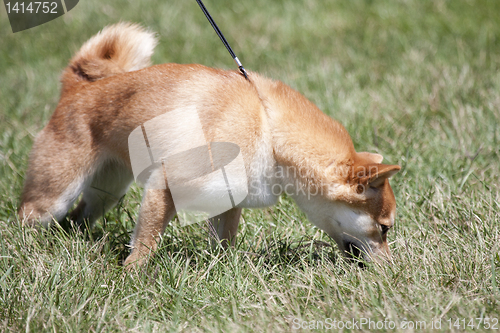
x=384 y=229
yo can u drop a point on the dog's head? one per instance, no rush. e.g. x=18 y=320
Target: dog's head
x=357 y=208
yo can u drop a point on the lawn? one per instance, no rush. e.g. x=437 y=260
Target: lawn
x=417 y=81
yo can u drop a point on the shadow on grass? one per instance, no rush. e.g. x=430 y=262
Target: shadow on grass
x=111 y=232
x=276 y=251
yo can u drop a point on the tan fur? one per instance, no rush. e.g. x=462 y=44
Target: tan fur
x=106 y=95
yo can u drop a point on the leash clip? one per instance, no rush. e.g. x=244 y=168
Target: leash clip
x=241 y=68
x=223 y=39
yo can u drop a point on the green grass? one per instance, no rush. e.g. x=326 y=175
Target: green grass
x=416 y=80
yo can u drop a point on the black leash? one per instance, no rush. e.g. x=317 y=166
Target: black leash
x=222 y=38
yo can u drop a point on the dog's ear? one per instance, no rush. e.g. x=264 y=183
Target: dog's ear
x=385 y=171
x=370 y=157
x=374 y=175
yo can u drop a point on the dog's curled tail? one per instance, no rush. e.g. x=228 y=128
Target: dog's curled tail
x=123 y=47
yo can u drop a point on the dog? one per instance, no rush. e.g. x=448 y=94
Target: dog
x=286 y=144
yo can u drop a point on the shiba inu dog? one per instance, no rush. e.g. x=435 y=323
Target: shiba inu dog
x=286 y=143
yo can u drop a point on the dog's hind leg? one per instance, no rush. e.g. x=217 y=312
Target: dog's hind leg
x=226 y=226
x=108 y=184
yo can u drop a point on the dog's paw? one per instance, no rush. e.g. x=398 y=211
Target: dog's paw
x=134 y=261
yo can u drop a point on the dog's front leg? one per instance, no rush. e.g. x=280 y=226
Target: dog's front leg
x=226 y=226
x=157 y=210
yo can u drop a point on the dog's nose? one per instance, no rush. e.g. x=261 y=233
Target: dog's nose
x=352 y=250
